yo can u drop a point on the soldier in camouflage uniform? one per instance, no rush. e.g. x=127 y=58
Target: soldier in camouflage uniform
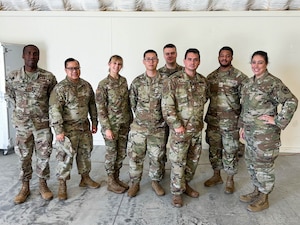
x=222 y=132
x=261 y=125
x=115 y=116
x=29 y=90
x=71 y=101
x=185 y=94
x=147 y=132
x=171 y=67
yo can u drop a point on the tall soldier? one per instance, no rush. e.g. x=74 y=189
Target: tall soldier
x=71 y=101
x=183 y=102
x=170 y=67
x=222 y=132
x=29 y=90
x=147 y=132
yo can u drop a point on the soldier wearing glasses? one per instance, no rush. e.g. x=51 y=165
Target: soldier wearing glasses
x=71 y=101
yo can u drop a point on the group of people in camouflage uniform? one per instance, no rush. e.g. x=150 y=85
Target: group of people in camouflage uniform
x=161 y=106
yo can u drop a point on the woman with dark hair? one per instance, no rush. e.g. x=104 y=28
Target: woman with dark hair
x=261 y=125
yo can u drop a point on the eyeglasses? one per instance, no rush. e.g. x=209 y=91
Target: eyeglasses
x=73 y=68
x=150 y=59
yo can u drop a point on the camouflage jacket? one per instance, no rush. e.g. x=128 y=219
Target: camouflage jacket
x=30 y=96
x=113 y=106
x=168 y=72
x=183 y=101
x=145 y=99
x=70 y=104
x=262 y=96
x=224 y=90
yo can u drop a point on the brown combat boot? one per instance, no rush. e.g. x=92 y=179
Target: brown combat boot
x=121 y=183
x=44 y=190
x=177 y=201
x=113 y=186
x=86 y=181
x=260 y=203
x=62 y=190
x=190 y=191
x=229 y=188
x=214 y=180
x=23 y=194
x=158 y=188
x=133 y=189
x=250 y=197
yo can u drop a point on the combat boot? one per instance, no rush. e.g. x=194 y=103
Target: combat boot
x=250 y=197
x=214 y=180
x=177 y=201
x=62 y=190
x=259 y=204
x=121 y=183
x=23 y=194
x=133 y=189
x=229 y=187
x=113 y=186
x=86 y=181
x=190 y=191
x=44 y=190
x=158 y=188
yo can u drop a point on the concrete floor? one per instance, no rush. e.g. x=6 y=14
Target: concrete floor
x=99 y=206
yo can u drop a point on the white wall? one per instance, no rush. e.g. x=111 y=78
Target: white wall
x=92 y=37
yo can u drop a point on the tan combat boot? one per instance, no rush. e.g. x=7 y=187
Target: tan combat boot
x=190 y=191
x=158 y=188
x=86 y=181
x=250 y=197
x=133 y=189
x=229 y=188
x=113 y=186
x=214 y=180
x=177 y=201
x=121 y=183
x=62 y=190
x=260 y=203
x=44 y=190
x=23 y=194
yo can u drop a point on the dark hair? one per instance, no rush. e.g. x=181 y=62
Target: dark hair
x=262 y=54
x=227 y=48
x=70 y=60
x=192 y=50
x=30 y=45
x=150 y=51
x=169 y=46
x=117 y=57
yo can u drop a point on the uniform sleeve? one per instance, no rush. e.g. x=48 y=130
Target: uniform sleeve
x=52 y=84
x=169 y=105
x=289 y=105
x=133 y=95
x=10 y=94
x=101 y=100
x=93 y=108
x=56 y=104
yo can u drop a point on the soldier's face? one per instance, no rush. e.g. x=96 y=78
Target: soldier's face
x=192 y=61
x=73 y=71
x=115 y=66
x=225 y=58
x=258 y=65
x=31 y=56
x=150 y=61
x=170 y=55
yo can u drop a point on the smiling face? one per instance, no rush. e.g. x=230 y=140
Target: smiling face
x=31 y=56
x=73 y=70
x=115 y=65
x=225 y=58
x=258 y=65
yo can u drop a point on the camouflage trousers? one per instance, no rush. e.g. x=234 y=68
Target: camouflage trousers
x=262 y=148
x=79 y=143
x=29 y=140
x=140 y=143
x=116 y=150
x=185 y=151
x=223 y=148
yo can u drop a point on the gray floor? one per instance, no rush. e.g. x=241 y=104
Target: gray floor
x=99 y=206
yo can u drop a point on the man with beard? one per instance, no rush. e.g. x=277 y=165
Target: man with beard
x=222 y=133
